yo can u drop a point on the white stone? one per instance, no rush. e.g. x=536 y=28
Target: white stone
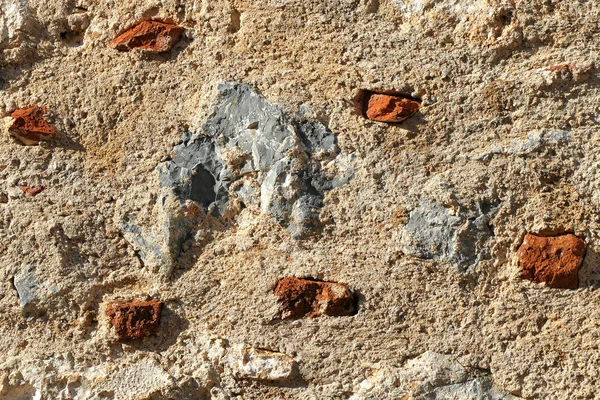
x=248 y=362
x=431 y=375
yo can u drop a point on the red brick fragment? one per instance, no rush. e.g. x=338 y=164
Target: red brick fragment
x=562 y=67
x=390 y=108
x=29 y=125
x=553 y=260
x=134 y=319
x=152 y=36
x=309 y=298
x=30 y=191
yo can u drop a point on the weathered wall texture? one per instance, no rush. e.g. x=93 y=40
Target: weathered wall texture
x=207 y=215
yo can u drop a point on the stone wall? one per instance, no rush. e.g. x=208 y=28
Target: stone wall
x=285 y=199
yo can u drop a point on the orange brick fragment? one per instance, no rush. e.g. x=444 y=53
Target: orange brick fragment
x=152 y=36
x=29 y=125
x=30 y=191
x=390 y=108
x=134 y=319
x=554 y=260
x=309 y=298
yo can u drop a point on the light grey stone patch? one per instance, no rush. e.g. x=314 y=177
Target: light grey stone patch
x=534 y=142
x=246 y=120
x=433 y=230
x=14 y=18
x=250 y=150
x=439 y=233
x=305 y=211
x=536 y=139
x=274 y=190
x=251 y=363
x=248 y=194
x=431 y=376
x=26 y=284
x=481 y=388
x=291 y=159
x=159 y=243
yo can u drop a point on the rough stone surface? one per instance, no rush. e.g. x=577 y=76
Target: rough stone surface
x=426 y=233
x=430 y=376
x=448 y=234
x=389 y=108
x=272 y=159
x=250 y=363
x=29 y=125
x=552 y=260
x=158 y=231
x=134 y=319
x=309 y=298
x=152 y=36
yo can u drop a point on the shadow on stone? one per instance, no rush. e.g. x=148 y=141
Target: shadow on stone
x=589 y=273
x=66 y=142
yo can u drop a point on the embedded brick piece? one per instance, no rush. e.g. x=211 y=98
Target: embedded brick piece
x=30 y=191
x=553 y=260
x=308 y=298
x=152 y=36
x=390 y=108
x=29 y=125
x=134 y=319
x=562 y=67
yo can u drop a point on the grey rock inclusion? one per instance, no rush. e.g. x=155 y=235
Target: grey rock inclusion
x=26 y=285
x=250 y=151
x=432 y=232
x=246 y=136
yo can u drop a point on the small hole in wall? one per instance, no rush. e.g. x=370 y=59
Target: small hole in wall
x=505 y=17
x=203 y=187
x=357 y=299
x=151 y=12
x=72 y=38
x=235 y=21
x=372 y=6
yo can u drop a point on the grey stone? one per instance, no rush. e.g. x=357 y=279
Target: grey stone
x=159 y=243
x=431 y=376
x=433 y=232
x=536 y=139
x=250 y=150
x=248 y=362
x=305 y=211
x=196 y=173
x=283 y=154
x=481 y=388
x=26 y=284
x=534 y=142
x=317 y=138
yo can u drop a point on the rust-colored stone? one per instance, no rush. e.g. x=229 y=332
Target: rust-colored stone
x=562 y=67
x=29 y=125
x=390 y=108
x=134 y=319
x=553 y=260
x=153 y=36
x=30 y=191
x=309 y=298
